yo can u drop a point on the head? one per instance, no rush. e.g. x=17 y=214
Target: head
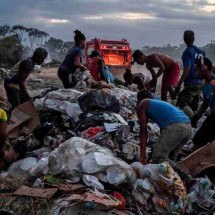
x=80 y=39
x=40 y=54
x=128 y=77
x=189 y=37
x=95 y=53
x=204 y=68
x=139 y=57
x=144 y=94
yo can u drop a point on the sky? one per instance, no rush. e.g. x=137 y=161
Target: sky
x=142 y=22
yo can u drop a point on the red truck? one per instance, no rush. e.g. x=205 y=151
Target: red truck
x=114 y=53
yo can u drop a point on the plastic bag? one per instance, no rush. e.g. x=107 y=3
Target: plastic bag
x=201 y=193
x=78 y=156
x=20 y=169
x=162 y=183
x=98 y=100
x=137 y=68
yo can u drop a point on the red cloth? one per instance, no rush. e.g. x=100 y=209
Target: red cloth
x=93 y=67
x=170 y=78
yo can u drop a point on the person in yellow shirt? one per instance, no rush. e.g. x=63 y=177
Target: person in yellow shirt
x=7 y=154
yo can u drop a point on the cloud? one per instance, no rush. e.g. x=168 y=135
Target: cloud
x=148 y=22
x=53 y=21
x=126 y=16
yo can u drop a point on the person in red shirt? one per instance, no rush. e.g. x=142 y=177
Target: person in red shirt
x=95 y=65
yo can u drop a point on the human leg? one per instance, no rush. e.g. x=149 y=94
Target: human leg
x=186 y=97
x=164 y=86
x=13 y=96
x=64 y=77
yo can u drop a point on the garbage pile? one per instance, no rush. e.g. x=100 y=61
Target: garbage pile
x=83 y=159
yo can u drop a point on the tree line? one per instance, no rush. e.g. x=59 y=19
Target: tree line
x=18 y=41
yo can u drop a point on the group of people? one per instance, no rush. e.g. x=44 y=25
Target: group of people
x=174 y=121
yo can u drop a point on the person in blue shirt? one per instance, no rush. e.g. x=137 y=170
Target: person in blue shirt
x=72 y=61
x=206 y=132
x=175 y=131
x=188 y=98
x=174 y=125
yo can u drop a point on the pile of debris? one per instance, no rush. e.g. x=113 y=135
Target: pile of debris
x=79 y=153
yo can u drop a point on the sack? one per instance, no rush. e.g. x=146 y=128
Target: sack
x=98 y=100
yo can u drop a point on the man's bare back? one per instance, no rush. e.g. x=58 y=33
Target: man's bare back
x=155 y=59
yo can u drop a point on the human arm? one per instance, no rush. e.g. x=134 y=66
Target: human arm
x=203 y=107
x=152 y=71
x=78 y=64
x=24 y=90
x=141 y=113
x=186 y=59
x=158 y=62
x=101 y=70
x=153 y=82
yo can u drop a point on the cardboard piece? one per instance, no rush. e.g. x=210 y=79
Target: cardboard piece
x=199 y=160
x=17 y=119
x=67 y=187
x=102 y=201
x=24 y=118
x=29 y=109
x=36 y=192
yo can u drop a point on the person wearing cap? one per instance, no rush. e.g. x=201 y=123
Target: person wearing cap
x=73 y=61
x=188 y=98
x=15 y=84
x=205 y=133
x=7 y=154
x=175 y=130
x=166 y=65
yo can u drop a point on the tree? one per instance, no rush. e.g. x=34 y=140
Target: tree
x=36 y=37
x=10 y=51
x=4 y=31
x=57 y=48
x=19 y=30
